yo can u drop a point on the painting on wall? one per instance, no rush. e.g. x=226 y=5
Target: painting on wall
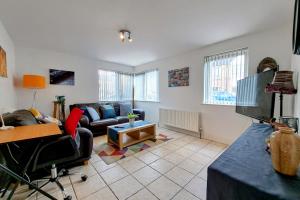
x=179 y=77
x=3 y=64
x=61 y=77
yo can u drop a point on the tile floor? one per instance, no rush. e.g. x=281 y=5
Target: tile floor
x=176 y=170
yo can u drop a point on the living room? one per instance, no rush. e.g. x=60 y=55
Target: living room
x=146 y=42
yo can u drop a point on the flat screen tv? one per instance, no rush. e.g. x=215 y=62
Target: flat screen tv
x=296 y=32
x=252 y=100
x=61 y=77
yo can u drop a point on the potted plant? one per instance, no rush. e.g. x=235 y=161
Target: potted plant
x=131 y=118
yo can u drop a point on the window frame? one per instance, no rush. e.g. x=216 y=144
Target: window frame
x=144 y=85
x=117 y=85
x=205 y=82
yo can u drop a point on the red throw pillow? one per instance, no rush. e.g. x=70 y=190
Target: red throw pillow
x=72 y=121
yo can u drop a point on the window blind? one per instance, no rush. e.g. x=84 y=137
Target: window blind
x=146 y=86
x=221 y=73
x=115 y=86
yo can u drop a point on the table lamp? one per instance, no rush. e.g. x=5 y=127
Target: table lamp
x=34 y=82
x=3 y=127
x=282 y=84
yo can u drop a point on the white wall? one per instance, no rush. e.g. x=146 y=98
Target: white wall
x=7 y=92
x=38 y=61
x=219 y=123
x=296 y=69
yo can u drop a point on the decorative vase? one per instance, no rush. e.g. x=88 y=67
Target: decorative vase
x=285 y=151
x=131 y=122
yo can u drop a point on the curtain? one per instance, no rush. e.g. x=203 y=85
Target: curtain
x=221 y=73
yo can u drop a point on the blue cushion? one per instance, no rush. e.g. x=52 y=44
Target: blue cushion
x=108 y=111
x=125 y=109
x=93 y=113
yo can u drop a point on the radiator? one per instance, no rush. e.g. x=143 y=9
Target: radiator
x=180 y=119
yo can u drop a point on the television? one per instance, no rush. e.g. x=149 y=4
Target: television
x=296 y=31
x=61 y=77
x=252 y=100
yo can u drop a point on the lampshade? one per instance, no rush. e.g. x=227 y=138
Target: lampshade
x=34 y=81
x=282 y=83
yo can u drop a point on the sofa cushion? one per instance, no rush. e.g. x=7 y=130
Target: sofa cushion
x=19 y=118
x=108 y=111
x=122 y=119
x=104 y=122
x=72 y=121
x=93 y=114
x=125 y=109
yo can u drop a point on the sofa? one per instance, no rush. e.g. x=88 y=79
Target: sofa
x=99 y=127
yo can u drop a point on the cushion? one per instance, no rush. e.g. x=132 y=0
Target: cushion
x=93 y=114
x=125 y=109
x=86 y=113
x=48 y=119
x=108 y=111
x=122 y=119
x=35 y=112
x=72 y=121
x=104 y=122
x=19 y=118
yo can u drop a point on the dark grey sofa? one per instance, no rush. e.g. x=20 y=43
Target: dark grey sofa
x=99 y=127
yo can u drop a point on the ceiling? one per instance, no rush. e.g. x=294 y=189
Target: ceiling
x=160 y=28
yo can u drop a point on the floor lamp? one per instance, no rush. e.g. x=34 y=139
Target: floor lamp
x=282 y=84
x=34 y=82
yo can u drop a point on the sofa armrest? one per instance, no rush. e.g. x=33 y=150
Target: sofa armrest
x=140 y=113
x=86 y=142
x=84 y=121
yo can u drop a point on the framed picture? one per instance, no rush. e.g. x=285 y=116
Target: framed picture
x=3 y=64
x=61 y=77
x=179 y=77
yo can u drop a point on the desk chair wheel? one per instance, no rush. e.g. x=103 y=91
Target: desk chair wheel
x=69 y=197
x=65 y=172
x=84 y=177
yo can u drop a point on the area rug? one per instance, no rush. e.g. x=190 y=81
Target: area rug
x=110 y=153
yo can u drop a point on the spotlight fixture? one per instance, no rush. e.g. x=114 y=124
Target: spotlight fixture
x=125 y=34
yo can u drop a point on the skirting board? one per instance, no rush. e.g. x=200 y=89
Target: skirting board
x=195 y=134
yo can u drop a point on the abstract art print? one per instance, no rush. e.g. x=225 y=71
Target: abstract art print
x=61 y=77
x=179 y=77
x=3 y=64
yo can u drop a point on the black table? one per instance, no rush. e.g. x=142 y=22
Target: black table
x=244 y=171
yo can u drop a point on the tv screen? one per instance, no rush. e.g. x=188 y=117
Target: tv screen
x=252 y=100
x=60 y=77
x=296 y=32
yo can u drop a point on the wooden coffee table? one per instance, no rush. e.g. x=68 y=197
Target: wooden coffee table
x=123 y=135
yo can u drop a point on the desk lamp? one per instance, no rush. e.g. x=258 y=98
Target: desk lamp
x=34 y=82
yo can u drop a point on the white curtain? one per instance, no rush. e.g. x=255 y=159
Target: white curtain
x=221 y=73
x=146 y=86
x=115 y=86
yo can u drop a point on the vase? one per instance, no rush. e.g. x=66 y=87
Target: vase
x=285 y=151
x=131 y=122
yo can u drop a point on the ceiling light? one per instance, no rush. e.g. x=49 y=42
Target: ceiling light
x=125 y=34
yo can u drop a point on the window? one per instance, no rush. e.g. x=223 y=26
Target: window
x=115 y=86
x=221 y=73
x=146 y=86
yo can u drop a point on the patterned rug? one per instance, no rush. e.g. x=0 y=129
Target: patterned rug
x=110 y=153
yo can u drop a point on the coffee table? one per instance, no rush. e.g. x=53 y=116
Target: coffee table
x=124 y=135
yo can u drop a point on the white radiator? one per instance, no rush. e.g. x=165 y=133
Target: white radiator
x=180 y=119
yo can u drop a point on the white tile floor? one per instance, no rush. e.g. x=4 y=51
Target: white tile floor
x=176 y=170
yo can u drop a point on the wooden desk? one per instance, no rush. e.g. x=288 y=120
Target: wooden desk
x=29 y=132
x=22 y=133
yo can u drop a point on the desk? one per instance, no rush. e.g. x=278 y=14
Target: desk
x=245 y=172
x=22 y=133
